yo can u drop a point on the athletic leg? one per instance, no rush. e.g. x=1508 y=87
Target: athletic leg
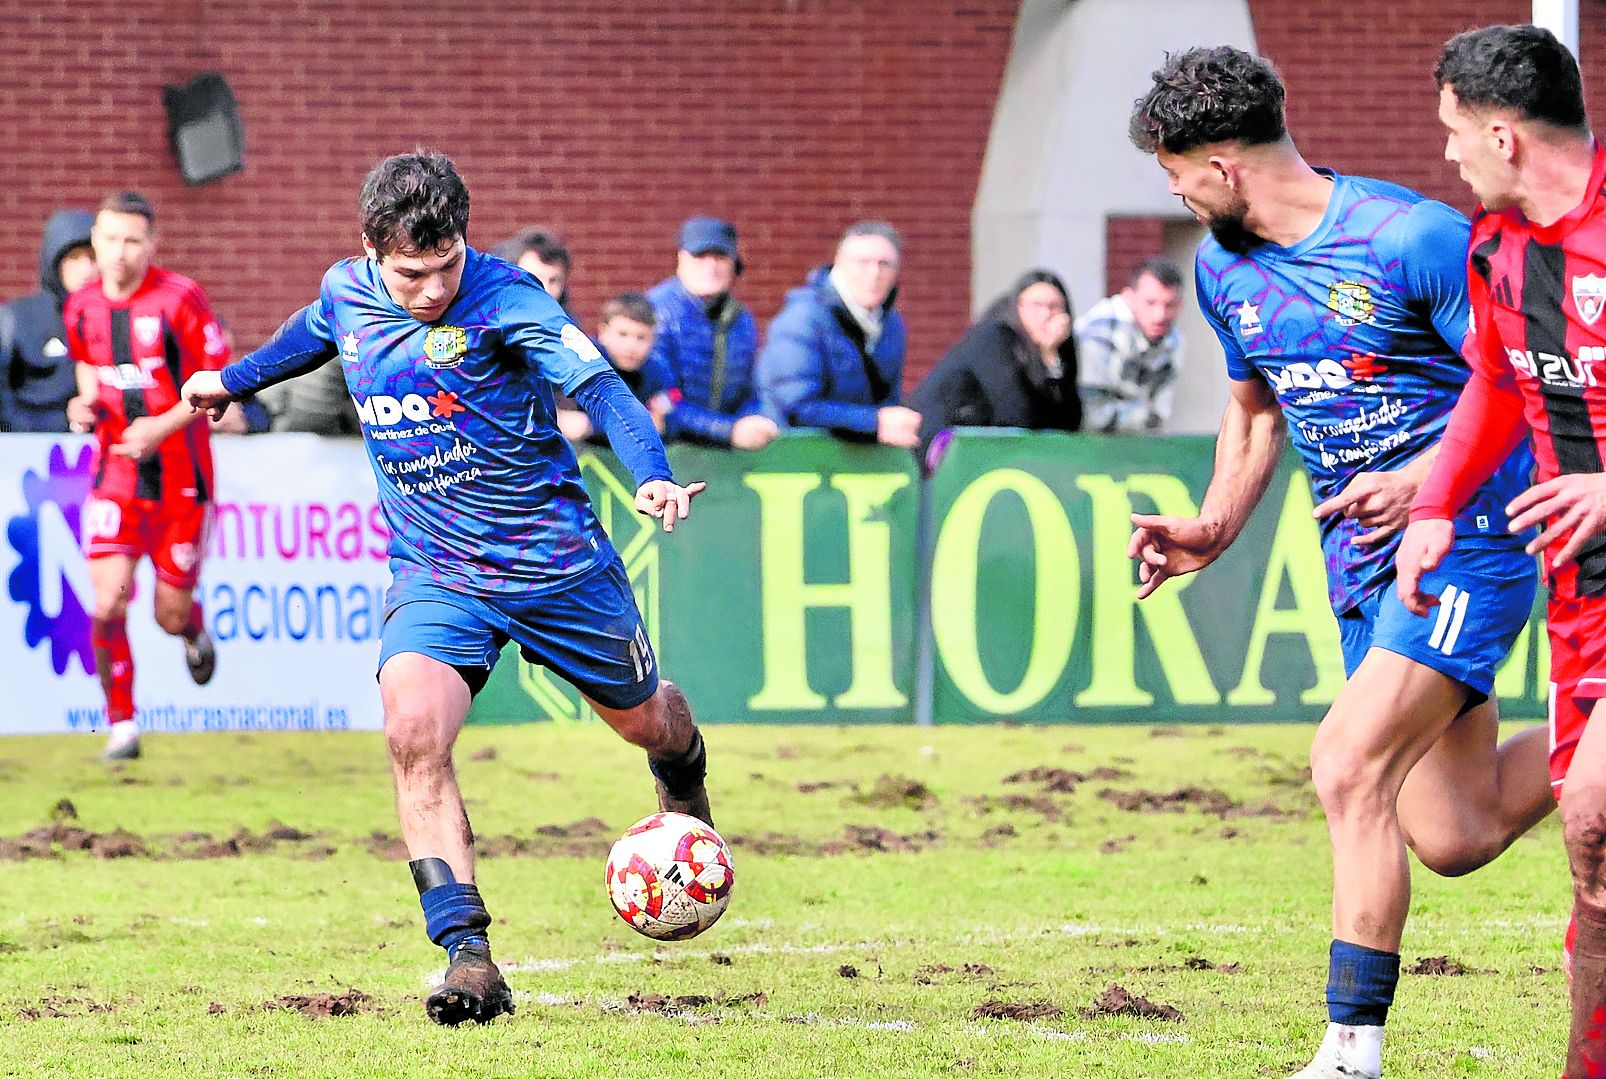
x=433 y=657
x=1468 y=798
x=176 y=554
x=664 y=727
x=1583 y=822
x=111 y=579
x=1385 y=719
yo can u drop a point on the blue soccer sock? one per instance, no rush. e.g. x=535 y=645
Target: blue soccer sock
x=1360 y=984
x=454 y=914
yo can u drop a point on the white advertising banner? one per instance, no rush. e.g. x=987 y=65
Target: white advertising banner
x=292 y=587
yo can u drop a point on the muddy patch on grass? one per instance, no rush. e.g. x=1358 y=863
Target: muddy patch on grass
x=323 y=1005
x=1022 y=1011
x=814 y=786
x=933 y=973
x=1117 y=844
x=1204 y=800
x=893 y=792
x=855 y=838
x=1441 y=966
x=54 y=1007
x=55 y=839
x=659 y=1004
x=1116 y=1000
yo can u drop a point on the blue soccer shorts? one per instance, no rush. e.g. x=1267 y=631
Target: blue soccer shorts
x=1486 y=595
x=589 y=633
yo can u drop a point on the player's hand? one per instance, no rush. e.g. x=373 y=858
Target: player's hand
x=1166 y=547
x=897 y=426
x=1422 y=548
x=753 y=432
x=232 y=422
x=1575 y=504
x=667 y=501
x=204 y=391
x=82 y=414
x=1380 y=501
x=141 y=438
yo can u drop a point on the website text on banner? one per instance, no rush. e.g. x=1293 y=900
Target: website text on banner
x=292 y=586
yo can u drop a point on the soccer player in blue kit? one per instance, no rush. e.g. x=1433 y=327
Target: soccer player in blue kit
x=451 y=356
x=1341 y=305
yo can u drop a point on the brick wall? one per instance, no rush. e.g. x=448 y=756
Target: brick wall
x=1129 y=242
x=608 y=121
x=1361 y=95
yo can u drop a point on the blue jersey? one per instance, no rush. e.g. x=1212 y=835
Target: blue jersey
x=480 y=489
x=1357 y=329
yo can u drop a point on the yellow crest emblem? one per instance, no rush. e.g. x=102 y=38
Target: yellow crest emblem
x=1352 y=302
x=445 y=346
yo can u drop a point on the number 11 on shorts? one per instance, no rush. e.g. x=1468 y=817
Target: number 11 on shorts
x=1452 y=612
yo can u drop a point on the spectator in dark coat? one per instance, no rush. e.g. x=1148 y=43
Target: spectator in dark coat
x=625 y=331
x=36 y=377
x=1016 y=367
x=834 y=355
x=707 y=341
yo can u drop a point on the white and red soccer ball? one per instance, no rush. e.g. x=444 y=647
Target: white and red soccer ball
x=670 y=876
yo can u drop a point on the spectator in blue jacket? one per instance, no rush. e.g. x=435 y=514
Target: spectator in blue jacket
x=707 y=341
x=834 y=356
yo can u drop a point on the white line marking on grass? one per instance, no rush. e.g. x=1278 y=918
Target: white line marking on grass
x=536 y=966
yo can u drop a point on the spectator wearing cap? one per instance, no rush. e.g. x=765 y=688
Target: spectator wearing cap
x=541 y=253
x=1130 y=349
x=834 y=355
x=707 y=341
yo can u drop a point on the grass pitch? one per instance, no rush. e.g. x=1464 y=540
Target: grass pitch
x=965 y=902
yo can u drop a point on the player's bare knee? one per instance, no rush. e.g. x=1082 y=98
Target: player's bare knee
x=172 y=621
x=1455 y=858
x=110 y=609
x=1583 y=830
x=1349 y=783
x=416 y=740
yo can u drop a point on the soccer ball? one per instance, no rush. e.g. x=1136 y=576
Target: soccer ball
x=670 y=876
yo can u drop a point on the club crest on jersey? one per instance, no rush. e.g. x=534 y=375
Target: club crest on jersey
x=445 y=346
x=148 y=329
x=1352 y=302
x=1249 y=320
x=1589 y=296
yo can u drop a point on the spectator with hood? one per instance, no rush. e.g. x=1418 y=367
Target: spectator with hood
x=834 y=356
x=36 y=377
x=1016 y=367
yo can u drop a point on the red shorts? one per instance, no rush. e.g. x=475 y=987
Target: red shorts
x=172 y=533
x=1577 y=675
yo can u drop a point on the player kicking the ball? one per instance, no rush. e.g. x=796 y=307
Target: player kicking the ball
x=1341 y=303
x=1513 y=104
x=451 y=356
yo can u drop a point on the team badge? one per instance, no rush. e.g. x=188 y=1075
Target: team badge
x=148 y=329
x=1249 y=320
x=445 y=346
x=1352 y=301
x=1589 y=296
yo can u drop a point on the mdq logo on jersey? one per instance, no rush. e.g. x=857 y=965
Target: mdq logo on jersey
x=383 y=410
x=51 y=575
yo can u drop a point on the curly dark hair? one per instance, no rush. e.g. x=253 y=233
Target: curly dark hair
x=1208 y=95
x=414 y=202
x=1523 y=68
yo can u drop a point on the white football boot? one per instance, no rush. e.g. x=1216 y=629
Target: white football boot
x=123 y=745
x=1347 y=1053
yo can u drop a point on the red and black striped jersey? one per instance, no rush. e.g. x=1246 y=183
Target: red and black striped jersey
x=1537 y=348
x=143 y=348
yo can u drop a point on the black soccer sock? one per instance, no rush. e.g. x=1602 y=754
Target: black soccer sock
x=682 y=775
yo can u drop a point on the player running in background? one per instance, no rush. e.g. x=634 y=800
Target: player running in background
x=135 y=335
x=451 y=357
x=1513 y=103
x=1340 y=303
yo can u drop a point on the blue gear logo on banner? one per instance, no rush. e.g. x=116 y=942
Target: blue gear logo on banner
x=50 y=572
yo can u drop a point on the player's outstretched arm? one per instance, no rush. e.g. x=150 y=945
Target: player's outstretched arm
x=615 y=412
x=1247 y=449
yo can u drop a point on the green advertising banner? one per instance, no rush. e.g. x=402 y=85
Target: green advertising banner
x=793 y=594
x=1034 y=615
x=788 y=597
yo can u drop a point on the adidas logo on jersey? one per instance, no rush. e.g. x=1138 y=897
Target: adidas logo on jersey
x=1576 y=372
